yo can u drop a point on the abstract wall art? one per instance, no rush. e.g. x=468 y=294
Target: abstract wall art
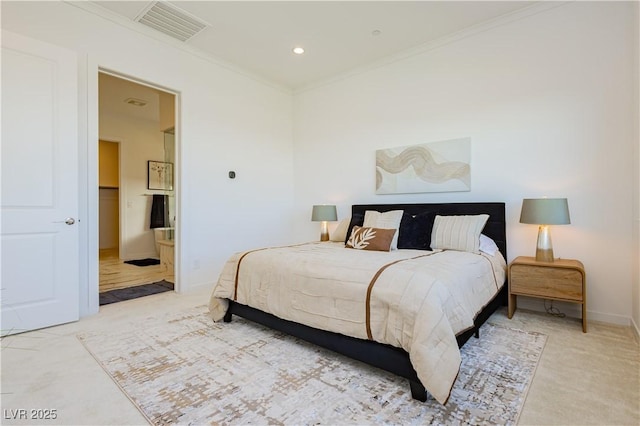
x=443 y=166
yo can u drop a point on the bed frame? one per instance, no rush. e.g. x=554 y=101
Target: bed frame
x=387 y=357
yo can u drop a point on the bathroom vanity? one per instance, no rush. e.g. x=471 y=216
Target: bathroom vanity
x=166 y=255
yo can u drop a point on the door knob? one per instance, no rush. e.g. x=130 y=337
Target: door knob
x=68 y=221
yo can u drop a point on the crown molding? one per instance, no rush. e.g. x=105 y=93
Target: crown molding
x=535 y=9
x=104 y=13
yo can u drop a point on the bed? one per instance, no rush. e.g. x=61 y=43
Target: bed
x=406 y=311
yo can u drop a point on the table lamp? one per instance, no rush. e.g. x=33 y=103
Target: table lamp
x=324 y=213
x=545 y=212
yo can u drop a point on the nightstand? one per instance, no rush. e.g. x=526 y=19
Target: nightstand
x=562 y=279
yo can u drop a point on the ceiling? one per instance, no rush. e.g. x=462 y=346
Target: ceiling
x=338 y=36
x=114 y=91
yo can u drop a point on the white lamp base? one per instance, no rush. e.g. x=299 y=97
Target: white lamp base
x=544 y=249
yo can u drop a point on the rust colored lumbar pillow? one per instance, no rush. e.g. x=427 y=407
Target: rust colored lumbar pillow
x=365 y=238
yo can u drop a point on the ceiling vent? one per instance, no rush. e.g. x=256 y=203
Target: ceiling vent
x=135 y=102
x=170 y=20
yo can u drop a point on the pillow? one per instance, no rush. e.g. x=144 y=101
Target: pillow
x=364 y=238
x=415 y=231
x=458 y=232
x=356 y=220
x=488 y=246
x=386 y=220
x=340 y=233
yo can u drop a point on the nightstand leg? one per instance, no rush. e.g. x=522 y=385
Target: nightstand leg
x=512 y=305
x=584 y=317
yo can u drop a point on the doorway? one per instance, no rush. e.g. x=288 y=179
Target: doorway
x=137 y=189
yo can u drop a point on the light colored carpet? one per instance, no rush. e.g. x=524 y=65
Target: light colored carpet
x=180 y=368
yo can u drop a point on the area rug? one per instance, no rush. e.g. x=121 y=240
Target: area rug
x=181 y=368
x=143 y=262
x=128 y=293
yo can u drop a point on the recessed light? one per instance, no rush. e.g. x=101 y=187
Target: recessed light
x=298 y=50
x=376 y=32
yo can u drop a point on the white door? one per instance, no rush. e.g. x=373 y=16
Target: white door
x=39 y=199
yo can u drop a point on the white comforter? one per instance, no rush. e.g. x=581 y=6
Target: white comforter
x=418 y=303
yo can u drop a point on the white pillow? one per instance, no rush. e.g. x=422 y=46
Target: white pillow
x=386 y=220
x=488 y=246
x=340 y=233
x=458 y=232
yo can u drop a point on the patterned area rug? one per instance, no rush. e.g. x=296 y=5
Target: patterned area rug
x=181 y=368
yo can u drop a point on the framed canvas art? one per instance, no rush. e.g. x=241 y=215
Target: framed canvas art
x=160 y=175
x=443 y=166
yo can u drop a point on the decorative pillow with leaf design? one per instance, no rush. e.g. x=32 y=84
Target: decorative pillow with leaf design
x=384 y=220
x=364 y=238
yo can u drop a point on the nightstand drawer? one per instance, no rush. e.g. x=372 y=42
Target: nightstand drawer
x=554 y=283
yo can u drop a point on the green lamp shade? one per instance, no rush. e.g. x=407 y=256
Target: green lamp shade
x=545 y=211
x=324 y=212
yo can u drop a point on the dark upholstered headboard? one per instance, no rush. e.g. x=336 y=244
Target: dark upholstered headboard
x=495 y=227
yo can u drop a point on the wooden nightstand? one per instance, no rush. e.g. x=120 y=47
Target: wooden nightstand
x=562 y=279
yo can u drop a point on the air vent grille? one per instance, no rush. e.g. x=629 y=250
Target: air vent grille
x=170 y=20
x=136 y=102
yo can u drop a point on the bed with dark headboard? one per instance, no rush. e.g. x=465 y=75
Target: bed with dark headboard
x=387 y=357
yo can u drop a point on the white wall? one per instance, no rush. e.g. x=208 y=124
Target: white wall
x=548 y=103
x=227 y=121
x=140 y=140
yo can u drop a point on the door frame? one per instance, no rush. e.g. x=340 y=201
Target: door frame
x=88 y=180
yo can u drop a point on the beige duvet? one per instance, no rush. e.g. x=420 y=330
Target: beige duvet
x=416 y=300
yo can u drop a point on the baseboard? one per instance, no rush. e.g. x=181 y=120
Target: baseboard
x=193 y=288
x=609 y=318
x=574 y=310
x=636 y=330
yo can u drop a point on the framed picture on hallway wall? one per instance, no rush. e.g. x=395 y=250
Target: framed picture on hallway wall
x=160 y=175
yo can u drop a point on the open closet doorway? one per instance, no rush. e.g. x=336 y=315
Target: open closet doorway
x=137 y=189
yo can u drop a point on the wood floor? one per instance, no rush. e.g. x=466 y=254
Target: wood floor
x=114 y=273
